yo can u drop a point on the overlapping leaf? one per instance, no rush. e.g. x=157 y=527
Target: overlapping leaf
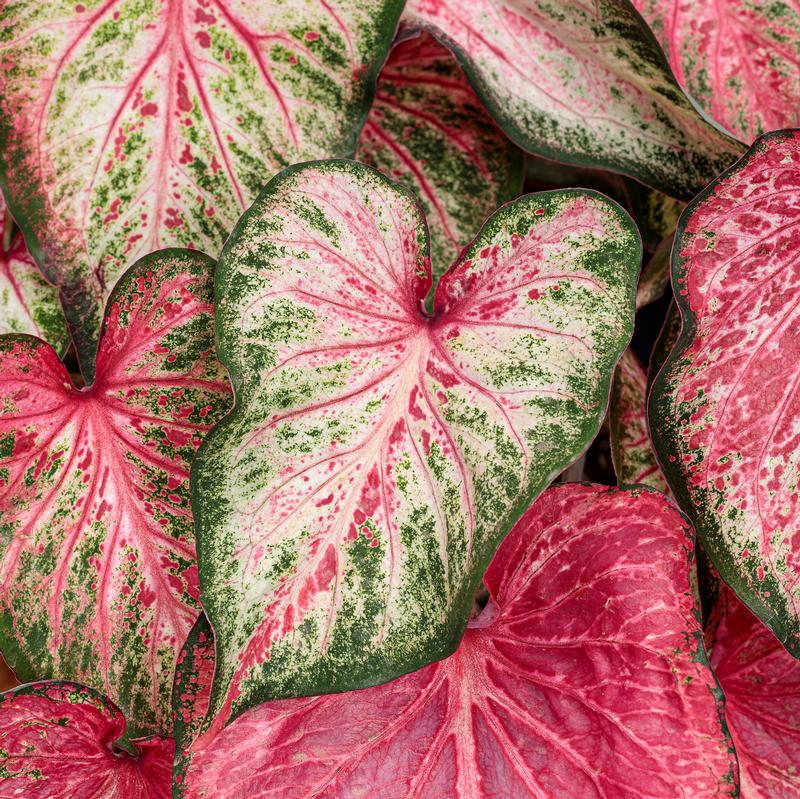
x=28 y=303
x=631 y=447
x=429 y=131
x=583 y=677
x=131 y=125
x=740 y=59
x=98 y=576
x=584 y=83
x=60 y=739
x=725 y=409
x=376 y=456
x=761 y=682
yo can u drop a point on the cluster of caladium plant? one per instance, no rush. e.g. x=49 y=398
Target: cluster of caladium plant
x=314 y=315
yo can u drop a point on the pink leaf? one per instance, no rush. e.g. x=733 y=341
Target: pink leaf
x=740 y=59
x=583 y=677
x=725 y=408
x=60 y=739
x=98 y=579
x=761 y=681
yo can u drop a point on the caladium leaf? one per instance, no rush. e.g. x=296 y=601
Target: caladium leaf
x=631 y=447
x=427 y=130
x=128 y=126
x=740 y=59
x=28 y=303
x=61 y=739
x=761 y=682
x=375 y=457
x=590 y=585
x=584 y=83
x=725 y=408
x=98 y=576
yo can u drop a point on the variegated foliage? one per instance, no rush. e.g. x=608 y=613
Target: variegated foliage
x=740 y=59
x=585 y=676
x=376 y=455
x=131 y=125
x=64 y=740
x=725 y=408
x=631 y=447
x=581 y=82
x=98 y=576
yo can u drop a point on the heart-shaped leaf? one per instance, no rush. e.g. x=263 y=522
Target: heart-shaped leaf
x=128 y=126
x=725 y=408
x=585 y=676
x=375 y=457
x=61 y=739
x=28 y=303
x=631 y=447
x=584 y=83
x=98 y=577
x=738 y=58
x=429 y=131
x=761 y=681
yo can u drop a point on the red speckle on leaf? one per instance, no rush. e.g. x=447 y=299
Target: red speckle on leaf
x=397 y=431
x=186 y=155
x=112 y=212
x=148 y=110
x=447 y=379
x=426 y=441
x=413 y=408
x=311 y=36
x=147 y=596
x=203 y=39
x=201 y=16
x=172 y=220
x=184 y=103
x=24 y=443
